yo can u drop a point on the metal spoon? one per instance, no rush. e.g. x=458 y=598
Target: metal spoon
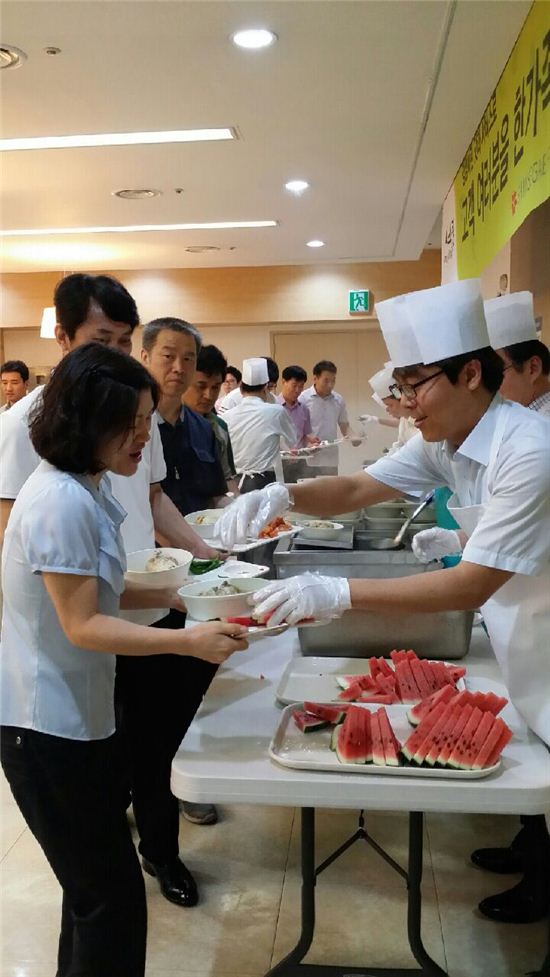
x=397 y=542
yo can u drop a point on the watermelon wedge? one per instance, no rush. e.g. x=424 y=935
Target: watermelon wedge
x=378 y=754
x=379 y=697
x=462 y=755
x=435 y=738
x=390 y=743
x=307 y=723
x=352 y=693
x=497 y=739
x=331 y=714
x=440 y=740
x=353 y=737
x=419 y=677
x=408 y=689
x=344 y=681
x=456 y=732
x=417 y=713
x=416 y=738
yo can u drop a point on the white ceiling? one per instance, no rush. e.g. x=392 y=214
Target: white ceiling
x=372 y=101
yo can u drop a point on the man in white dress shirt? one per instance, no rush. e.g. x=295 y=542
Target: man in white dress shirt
x=329 y=414
x=256 y=428
x=513 y=333
x=14 y=375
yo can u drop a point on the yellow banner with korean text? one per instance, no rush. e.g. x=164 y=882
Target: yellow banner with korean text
x=505 y=173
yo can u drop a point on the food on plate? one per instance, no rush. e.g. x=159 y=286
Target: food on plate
x=161 y=561
x=410 y=680
x=206 y=519
x=307 y=722
x=457 y=735
x=224 y=589
x=319 y=524
x=486 y=701
x=273 y=528
x=252 y=622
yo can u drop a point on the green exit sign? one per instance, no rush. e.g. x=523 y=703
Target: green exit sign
x=359 y=301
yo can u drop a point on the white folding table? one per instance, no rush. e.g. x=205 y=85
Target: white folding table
x=224 y=759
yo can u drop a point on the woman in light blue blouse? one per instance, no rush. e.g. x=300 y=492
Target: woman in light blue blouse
x=63 y=579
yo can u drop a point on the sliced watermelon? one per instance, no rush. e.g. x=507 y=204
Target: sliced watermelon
x=416 y=738
x=247 y=622
x=386 y=684
x=380 y=698
x=331 y=714
x=385 y=667
x=344 y=681
x=435 y=738
x=498 y=738
x=392 y=746
x=486 y=701
x=307 y=723
x=378 y=754
x=353 y=737
x=417 y=713
x=462 y=756
x=441 y=739
x=460 y=725
x=352 y=693
x=479 y=737
x=408 y=689
x=398 y=656
x=456 y=672
x=423 y=686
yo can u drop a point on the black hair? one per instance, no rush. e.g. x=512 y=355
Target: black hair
x=294 y=373
x=16 y=366
x=272 y=369
x=92 y=396
x=73 y=295
x=212 y=362
x=235 y=372
x=492 y=367
x=323 y=365
x=152 y=329
x=247 y=389
x=519 y=353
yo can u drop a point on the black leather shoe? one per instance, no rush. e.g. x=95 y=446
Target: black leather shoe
x=516 y=905
x=502 y=861
x=199 y=813
x=175 y=880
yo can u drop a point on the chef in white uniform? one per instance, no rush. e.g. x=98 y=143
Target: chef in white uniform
x=397 y=416
x=494 y=456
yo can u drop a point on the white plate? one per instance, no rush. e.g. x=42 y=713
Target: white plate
x=314 y=678
x=237 y=569
x=256 y=634
x=252 y=544
x=311 y=751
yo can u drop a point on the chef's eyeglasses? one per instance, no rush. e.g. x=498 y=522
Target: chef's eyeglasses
x=408 y=390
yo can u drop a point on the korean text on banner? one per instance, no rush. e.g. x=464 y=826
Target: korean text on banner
x=505 y=173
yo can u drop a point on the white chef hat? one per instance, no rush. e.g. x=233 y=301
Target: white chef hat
x=398 y=332
x=255 y=371
x=448 y=320
x=510 y=319
x=381 y=381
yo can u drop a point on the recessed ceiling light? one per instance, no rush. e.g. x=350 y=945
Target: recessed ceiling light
x=296 y=186
x=136 y=194
x=136 y=228
x=315 y=244
x=254 y=38
x=11 y=57
x=116 y=139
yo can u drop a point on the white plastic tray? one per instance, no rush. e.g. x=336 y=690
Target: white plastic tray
x=252 y=544
x=314 y=678
x=311 y=751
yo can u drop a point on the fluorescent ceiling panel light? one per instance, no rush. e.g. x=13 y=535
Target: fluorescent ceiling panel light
x=136 y=228
x=254 y=38
x=116 y=139
x=296 y=186
x=315 y=244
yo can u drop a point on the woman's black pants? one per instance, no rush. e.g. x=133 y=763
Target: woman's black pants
x=70 y=794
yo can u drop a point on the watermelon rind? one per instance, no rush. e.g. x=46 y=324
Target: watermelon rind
x=331 y=714
x=307 y=723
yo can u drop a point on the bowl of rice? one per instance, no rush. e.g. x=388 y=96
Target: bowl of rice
x=204 y=522
x=206 y=601
x=164 y=567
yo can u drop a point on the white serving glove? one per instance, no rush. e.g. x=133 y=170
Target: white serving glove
x=309 y=595
x=248 y=514
x=369 y=418
x=434 y=544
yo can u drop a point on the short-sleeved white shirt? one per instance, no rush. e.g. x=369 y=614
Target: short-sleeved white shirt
x=235 y=397
x=60 y=523
x=256 y=429
x=326 y=413
x=513 y=533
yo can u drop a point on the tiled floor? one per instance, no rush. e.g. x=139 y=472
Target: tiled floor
x=248 y=918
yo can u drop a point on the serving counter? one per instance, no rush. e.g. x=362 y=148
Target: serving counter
x=224 y=759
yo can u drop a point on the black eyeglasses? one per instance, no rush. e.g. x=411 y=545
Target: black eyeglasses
x=408 y=390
